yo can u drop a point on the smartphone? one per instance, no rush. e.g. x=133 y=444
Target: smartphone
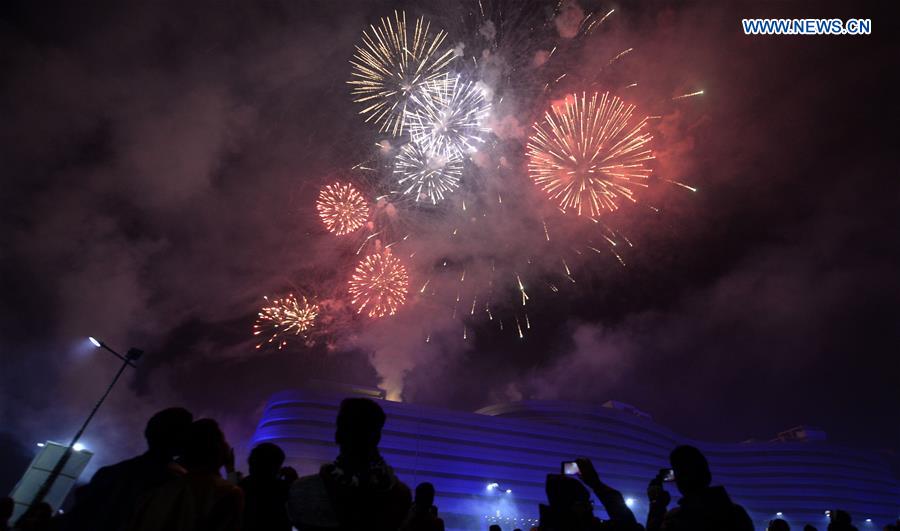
x=670 y=475
x=570 y=468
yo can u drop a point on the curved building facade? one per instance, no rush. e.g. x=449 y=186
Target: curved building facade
x=489 y=466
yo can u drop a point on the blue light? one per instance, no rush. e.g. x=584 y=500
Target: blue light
x=95 y=342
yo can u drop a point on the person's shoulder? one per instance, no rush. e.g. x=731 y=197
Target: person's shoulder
x=122 y=468
x=401 y=489
x=741 y=518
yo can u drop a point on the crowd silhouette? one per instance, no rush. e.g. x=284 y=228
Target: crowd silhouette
x=178 y=485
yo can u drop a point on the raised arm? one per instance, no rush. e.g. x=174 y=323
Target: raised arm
x=611 y=499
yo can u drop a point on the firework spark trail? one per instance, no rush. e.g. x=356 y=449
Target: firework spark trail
x=688 y=95
x=621 y=54
x=391 y=65
x=425 y=175
x=283 y=316
x=379 y=285
x=342 y=208
x=449 y=115
x=588 y=153
x=676 y=183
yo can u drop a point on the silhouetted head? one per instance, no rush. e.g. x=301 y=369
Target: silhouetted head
x=359 y=424
x=266 y=460
x=841 y=517
x=166 y=431
x=494 y=527
x=205 y=449
x=840 y=520
x=808 y=527
x=691 y=469
x=425 y=494
x=6 y=508
x=778 y=525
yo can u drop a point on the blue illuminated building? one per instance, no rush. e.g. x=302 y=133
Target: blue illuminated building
x=489 y=466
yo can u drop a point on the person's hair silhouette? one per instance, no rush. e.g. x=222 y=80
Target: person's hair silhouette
x=265 y=460
x=691 y=469
x=166 y=431
x=424 y=494
x=778 y=524
x=359 y=425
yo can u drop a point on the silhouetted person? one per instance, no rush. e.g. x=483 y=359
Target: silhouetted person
x=109 y=500
x=423 y=515
x=494 y=527
x=199 y=500
x=778 y=524
x=840 y=521
x=808 y=527
x=701 y=506
x=7 y=505
x=359 y=491
x=265 y=493
x=569 y=506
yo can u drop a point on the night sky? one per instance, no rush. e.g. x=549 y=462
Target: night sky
x=160 y=163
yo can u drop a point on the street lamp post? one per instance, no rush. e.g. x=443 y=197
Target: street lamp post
x=128 y=360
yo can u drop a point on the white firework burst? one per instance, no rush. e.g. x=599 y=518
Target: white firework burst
x=449 y=116
x=425 y=175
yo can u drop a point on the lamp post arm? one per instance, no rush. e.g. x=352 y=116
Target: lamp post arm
x=61 y=464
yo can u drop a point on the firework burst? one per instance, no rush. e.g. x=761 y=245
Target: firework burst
x=588 y=153
x=342 y=208
x=379 y=285
x=392 y=65
x=284 y=317
x=425 y=175
x=448 y=116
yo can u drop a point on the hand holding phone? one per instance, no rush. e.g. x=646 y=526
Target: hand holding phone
x=656 y=492
x=570 y=468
